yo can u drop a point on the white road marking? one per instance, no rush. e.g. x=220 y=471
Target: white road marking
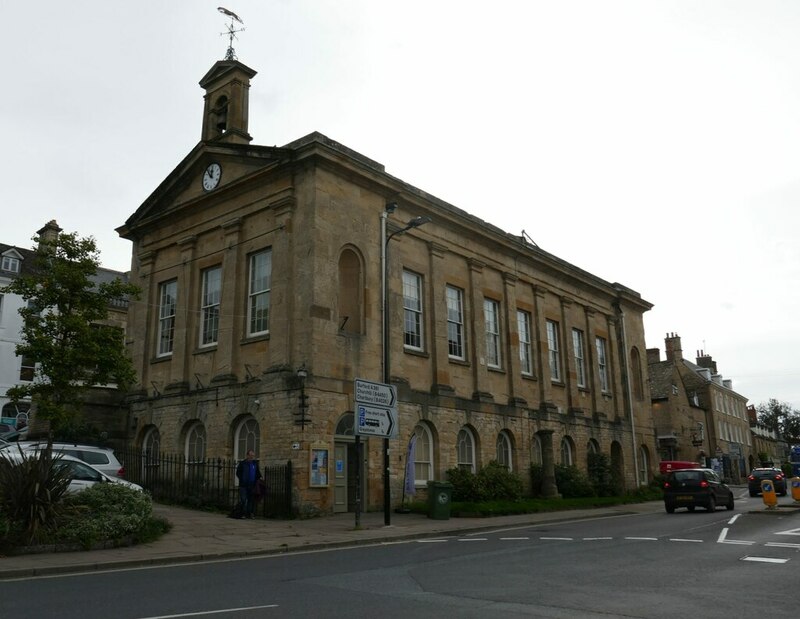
x=789 y=532
x=213 y=612
x=592 y=539
x=432 y=541
x=472 y=539
x=732 y=520
x=722 y=539
x=764 y=559
x=678 y=539
x=513 y=539
x=781 y=545
x=644 y=539
x=562 y=539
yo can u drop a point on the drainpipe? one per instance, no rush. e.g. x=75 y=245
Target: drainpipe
x=627 y=382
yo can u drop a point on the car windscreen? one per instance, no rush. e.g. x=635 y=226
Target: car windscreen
x=687 y=475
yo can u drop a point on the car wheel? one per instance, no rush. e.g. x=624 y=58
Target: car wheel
x=712 y=504
x=753 y=493
x=690 y=508
x=670 y=509
x=729 y=506
x=783 y=493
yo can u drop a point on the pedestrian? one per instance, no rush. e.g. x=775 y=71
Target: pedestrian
x=248 y=474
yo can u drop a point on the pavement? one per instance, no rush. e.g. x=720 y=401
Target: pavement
x=202 y=536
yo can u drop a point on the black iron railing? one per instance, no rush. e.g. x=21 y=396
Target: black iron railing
x=210 y=483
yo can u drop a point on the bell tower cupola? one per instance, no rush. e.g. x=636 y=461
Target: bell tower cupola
x=225 y=114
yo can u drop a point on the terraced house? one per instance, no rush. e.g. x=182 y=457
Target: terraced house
x=262 y=275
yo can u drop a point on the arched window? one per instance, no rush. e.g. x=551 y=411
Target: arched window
x=346 y=424
x=566 y=452
x=504 y=450
x=465 y=447
x=195 y=443
x=151 y=443
x=644 y=466
x=536 y=450
x=351 y=294
x=423 y=455
x=246 y=437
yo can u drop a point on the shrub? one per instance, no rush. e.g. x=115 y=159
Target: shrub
x=31 y=489
x=497 y=483
x=492 y=482
x=600 y=475
x=465 y=485
x=572 y=482
x=537 y=473
x=104 y=512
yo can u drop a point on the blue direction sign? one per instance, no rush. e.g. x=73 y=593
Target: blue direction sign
x=375 y=421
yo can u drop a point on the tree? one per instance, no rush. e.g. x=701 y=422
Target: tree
x=780 y=417
x=63 y=329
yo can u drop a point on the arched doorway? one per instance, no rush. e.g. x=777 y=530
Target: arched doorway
x=345 y=467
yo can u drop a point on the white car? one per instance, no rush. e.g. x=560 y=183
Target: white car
x=83 y=475
x=101 y=458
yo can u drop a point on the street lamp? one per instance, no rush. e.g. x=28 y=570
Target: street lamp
x=414 y=223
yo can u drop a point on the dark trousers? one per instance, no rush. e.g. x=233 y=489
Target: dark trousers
x=246 y=500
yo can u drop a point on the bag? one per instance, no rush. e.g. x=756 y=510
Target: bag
x=259 y=490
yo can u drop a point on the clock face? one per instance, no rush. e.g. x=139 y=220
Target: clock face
x=211 y=176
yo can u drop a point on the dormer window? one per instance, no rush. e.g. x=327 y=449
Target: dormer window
x=10 y=264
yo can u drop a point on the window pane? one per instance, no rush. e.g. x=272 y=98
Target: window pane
x=601 y=363
x=524 y=331
x=212 y=288
x=412 y=310
x=166 y=317
x=580 y=363
x=455 y=322
x=491 y=315
x=553 y=352
x=259 y=292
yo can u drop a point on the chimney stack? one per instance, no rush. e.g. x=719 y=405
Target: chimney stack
x=705 y=361
x=672 y=344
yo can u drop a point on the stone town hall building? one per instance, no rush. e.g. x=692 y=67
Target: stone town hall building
x=261 y=276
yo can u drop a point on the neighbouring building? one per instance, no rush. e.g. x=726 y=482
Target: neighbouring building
x=261 y=271
x=697 y=414
x=104 y=407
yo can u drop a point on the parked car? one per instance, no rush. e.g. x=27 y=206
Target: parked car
x=83 y=475
x=102 y=458
x=759 y=474
x=691 y=488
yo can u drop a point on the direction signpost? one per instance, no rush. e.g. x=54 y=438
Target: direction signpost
x=376 y=409
x=376 y=415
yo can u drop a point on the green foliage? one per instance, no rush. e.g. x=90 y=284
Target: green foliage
x=104 y=512
x=492 y=482
x=788 y=472
x=537 y=474
x=572 y=482
x=780 y=417
x=31 y=489
x=62 y=328
x=600 y=474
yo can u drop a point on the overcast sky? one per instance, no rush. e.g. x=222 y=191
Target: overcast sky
x=655 y=144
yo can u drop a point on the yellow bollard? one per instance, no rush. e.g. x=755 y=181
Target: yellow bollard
x=768 y=493
x=795 y=483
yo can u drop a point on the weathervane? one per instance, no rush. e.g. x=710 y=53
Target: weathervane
x=231 y=54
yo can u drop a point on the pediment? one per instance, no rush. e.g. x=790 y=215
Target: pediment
x=184 y=186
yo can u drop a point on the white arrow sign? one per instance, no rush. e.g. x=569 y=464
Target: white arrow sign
x=377 y=394
x=375 y=421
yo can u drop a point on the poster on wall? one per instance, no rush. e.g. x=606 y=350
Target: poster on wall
x=319 y=466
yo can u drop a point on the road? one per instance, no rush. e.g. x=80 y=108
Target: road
x=648 y=565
